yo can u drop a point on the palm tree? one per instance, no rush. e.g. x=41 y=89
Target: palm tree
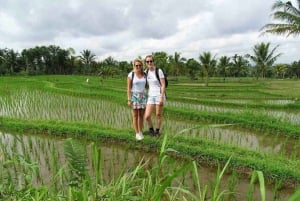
x=161 y=61
x=110 y=61
x=53 y=54
x=295 y=69
x=62 y=58
x=280 y=70
x=87 y=57
x=192 y=66
x=289 y=17
x=72 y=61
x=3 y=68
x=263 y=57
x=223 y=64
x=11 y=58
x=240 y=65
x=208 y=63
x=110 y=67
x=178 y=62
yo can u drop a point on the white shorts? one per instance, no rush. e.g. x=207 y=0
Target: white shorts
x=154 y=100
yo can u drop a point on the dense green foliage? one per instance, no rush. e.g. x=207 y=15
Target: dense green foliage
x=288 y=19
x=49 y=60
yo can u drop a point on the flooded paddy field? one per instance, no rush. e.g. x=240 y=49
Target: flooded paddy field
x=216 y=121
x=47 y=154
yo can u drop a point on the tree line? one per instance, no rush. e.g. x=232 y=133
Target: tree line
x=42 y=60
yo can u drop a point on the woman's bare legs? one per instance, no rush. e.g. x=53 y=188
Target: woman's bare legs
x=135 y=118
x=141 y=113
x=158 y=114
x=148 y=112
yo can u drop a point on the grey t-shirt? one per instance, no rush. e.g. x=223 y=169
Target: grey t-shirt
x=138 y=84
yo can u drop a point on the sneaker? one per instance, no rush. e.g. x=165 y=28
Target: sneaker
x=139 y=136
x=151 y=132
x=156 y=133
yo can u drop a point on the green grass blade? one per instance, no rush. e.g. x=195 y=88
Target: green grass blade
x=295 y=196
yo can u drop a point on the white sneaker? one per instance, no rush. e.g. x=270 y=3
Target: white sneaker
x=142 y=136
x=139 y=136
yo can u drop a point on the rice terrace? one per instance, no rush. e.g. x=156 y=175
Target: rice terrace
x=64 y=138
x=230 y=125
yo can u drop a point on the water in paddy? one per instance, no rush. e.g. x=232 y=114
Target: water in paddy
x=33 y=105
x=263 y=142
x=115 y=158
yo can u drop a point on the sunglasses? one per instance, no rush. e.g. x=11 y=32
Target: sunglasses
x=149 y=61
x=138 y=65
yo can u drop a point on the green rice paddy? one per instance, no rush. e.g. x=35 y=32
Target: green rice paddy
x=254 y=123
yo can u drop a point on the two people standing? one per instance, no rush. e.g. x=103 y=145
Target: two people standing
x=143 y=106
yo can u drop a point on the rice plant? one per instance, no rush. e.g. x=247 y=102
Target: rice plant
x=163 y=180
x=265 y=131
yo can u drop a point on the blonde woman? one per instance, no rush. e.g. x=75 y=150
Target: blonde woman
x=136 y=96
x=156 y=95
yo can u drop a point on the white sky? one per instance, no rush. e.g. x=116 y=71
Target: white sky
x=126 y=29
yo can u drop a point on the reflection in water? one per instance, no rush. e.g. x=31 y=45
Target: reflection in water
x=292 y=117
x=267 y=143
x=49 y=154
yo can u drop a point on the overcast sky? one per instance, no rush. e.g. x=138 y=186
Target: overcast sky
x=126 y=29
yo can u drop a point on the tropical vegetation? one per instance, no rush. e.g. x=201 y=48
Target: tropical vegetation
x=42 y=60
x=287 y=19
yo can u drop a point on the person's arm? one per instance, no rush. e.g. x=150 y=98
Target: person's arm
x=162 y=88
x=129 y=91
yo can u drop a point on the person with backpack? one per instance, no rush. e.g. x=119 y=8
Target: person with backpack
x=136 y=96
x=156 y=81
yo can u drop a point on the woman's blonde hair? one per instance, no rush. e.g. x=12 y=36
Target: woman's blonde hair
x=140 y=61
x=149 y=56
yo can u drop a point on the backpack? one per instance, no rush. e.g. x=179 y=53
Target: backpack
x=157 y=76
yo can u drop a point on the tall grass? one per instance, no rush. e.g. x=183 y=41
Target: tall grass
x=73 y=181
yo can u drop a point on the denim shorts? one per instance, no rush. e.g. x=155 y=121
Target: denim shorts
x=154 y=100
x=138 y=100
